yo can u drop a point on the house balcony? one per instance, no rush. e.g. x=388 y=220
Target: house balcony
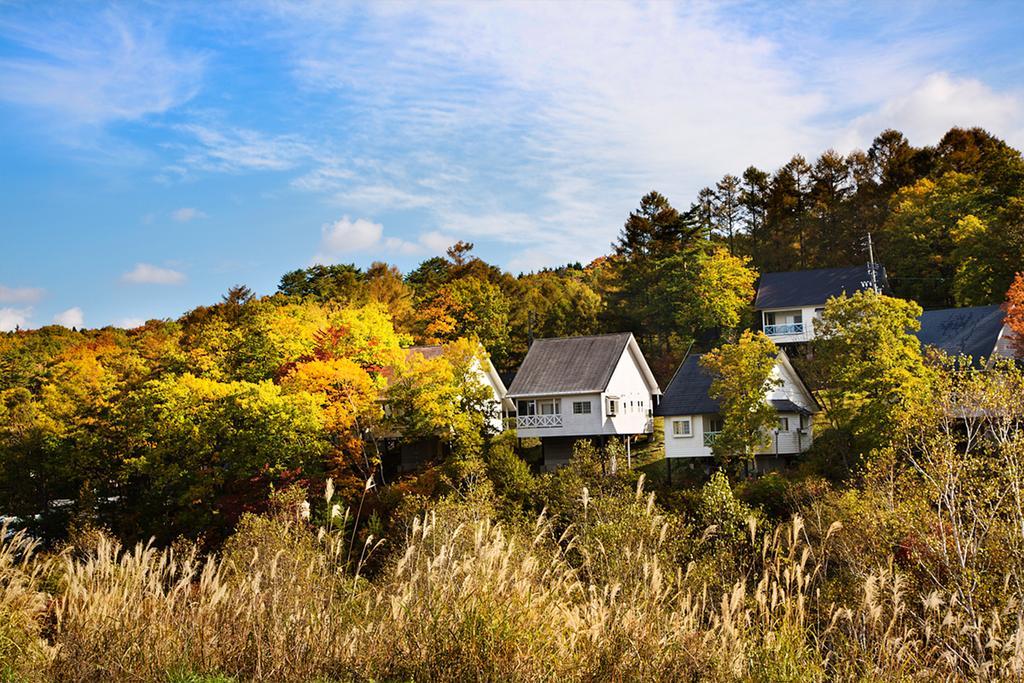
x=709 y=438
x=539 y=422
x=784 y=329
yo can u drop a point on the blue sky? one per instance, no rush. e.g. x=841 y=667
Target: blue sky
x=154 y=154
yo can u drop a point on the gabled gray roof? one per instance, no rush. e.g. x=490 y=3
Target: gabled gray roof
x=569 y=365
x=971 y=331
x=813 y=287
x=687 y=393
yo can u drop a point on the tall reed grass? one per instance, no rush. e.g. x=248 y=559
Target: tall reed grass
x=476 y=600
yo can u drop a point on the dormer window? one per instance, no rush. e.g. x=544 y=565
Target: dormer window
x=612 y=406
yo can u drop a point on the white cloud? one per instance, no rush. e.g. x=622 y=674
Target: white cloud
x=20 y=295
x=129 y=323
x=10 y=318
x=72 y=317
x=936 y=104
x=346 y=235
x=147 y=273
x=186 y=214
x=97 y=70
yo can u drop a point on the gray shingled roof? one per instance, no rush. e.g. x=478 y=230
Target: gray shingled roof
x=687 y=393
x=971 y=331
x=569 y=365
x=812 y=287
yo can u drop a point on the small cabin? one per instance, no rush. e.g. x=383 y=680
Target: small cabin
x=693 y=420
x=577 y=387
x=789 y=303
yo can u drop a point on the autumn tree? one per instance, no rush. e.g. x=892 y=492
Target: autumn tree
x=198 y=452
x=867 y=366
x=442 y=397
x=743 y=376
x=719 y=293
x=1014 y=307
x=468 y=307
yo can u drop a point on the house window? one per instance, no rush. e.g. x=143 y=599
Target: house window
x=550 y=406
x=581 y=407
x=527 y=407
x=713 y=424
x=613 y=407
x=783 y=424
x=681 y=428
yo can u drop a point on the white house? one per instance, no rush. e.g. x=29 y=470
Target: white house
x=789 y=303
x=980 y=332
x=578 y=387
x=692 y=419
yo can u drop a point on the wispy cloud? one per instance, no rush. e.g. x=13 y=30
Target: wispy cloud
x=20 y=295
x=148 y=274
x=72 y=317
x=234 y=149
x=186 y=214
x=97 y=69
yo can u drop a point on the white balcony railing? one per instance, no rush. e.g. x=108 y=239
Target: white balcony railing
x=709 y=438
x=539 y=421
x=789 y=328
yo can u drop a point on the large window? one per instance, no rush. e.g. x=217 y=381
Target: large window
x=541 y=406
x=783 y=424
x=549 y=406
x=581 y=407
x=682 y=428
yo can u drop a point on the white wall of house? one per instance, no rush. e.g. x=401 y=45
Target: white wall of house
x=790 y=324
x=633 y=396
x=788 y=438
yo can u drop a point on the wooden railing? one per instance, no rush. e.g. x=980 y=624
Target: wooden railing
x=539 y=421
x=709 y=438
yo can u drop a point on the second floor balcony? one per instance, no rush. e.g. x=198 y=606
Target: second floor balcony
x=539 y=421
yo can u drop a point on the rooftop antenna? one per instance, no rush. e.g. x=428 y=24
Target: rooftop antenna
x=872 y=266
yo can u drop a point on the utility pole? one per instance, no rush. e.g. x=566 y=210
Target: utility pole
x=872 y=267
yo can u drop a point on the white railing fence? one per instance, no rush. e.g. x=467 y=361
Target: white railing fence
x=539 y=421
